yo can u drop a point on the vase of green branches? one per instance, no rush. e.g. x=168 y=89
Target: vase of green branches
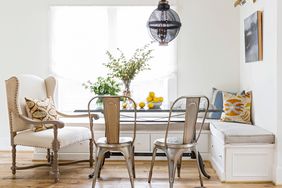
x=126 y=69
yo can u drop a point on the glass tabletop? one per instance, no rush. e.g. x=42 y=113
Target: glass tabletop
x=151 y=115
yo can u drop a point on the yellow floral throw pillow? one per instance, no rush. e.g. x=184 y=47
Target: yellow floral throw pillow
x=42 y=110
x=237 y=108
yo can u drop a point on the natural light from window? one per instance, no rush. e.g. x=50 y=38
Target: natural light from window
x=80 y=37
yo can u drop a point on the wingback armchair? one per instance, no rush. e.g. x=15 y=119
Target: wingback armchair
x=59 y=136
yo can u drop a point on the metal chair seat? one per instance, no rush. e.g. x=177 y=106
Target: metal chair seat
x=122 y=141
x=172 y=142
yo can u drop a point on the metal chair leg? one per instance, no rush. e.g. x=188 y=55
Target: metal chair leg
x=171 y=170
x=101 y=166
x=198 y=166
x=179 y=166
x=98 y=160
x=152 y=164
x=126 y=151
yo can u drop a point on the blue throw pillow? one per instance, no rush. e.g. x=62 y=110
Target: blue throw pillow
x=217 y=102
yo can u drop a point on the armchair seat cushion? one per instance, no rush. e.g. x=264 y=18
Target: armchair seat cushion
x=43 y=139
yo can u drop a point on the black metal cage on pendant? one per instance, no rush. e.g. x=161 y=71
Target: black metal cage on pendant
x=164 y=23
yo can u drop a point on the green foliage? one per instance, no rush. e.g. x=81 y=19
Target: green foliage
x=103 y=86
x=126 y=69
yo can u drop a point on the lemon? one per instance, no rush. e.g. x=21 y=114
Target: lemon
x=152 y=94
x=141 y=104
x=149 y=99
x=124 y=105
x=161 y=99
x=156 y=99
x=150 y=105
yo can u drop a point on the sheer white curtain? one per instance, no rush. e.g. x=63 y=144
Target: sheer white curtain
x=80 y=36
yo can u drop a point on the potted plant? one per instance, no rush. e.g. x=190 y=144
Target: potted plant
x=103 y=86
x=126 y=69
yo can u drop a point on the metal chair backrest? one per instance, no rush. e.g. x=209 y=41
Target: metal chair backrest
x=191 y=116
x=111 y=111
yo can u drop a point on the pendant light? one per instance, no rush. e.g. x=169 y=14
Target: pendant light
x=164 y=23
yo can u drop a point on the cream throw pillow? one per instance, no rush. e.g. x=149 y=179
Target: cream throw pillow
x=42 y=110
x=237 y=108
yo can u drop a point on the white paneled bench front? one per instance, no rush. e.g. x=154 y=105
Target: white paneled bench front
x=241 y=152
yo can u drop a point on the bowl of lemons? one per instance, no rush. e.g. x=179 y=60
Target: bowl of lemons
x=154 y=102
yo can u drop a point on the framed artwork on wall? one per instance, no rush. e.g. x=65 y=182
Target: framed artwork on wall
x=253 y=37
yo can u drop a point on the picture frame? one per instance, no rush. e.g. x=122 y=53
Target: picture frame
x=253 y=31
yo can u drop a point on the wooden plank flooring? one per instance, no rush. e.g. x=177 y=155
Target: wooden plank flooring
x=114 y=174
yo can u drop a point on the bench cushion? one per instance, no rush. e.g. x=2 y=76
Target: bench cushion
x=231 y=133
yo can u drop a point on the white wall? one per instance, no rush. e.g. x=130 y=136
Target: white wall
x=264 y=78
x=279 y=88
x=208 y=47
x=23 y=47
x=208 y=44
x=260 y=77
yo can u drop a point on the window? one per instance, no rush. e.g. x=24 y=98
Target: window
x=80 y=37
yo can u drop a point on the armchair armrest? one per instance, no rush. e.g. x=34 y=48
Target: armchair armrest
x=95 y=116
x=56 y=123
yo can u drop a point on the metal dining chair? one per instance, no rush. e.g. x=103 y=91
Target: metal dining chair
x=112 y=140
x=174 y=147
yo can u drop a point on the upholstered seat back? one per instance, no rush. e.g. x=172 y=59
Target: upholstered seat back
x=19 y=87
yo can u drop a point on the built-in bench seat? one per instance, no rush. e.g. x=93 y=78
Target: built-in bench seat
x=241 y=152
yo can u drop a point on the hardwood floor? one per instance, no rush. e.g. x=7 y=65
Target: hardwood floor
x=114 y=174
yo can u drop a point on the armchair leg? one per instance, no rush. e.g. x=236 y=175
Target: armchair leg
x=55 y=168
x=55 y=164
x=13 y=168
x=91 y=160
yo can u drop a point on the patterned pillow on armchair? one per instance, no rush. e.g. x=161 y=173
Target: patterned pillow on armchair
x=42 y=110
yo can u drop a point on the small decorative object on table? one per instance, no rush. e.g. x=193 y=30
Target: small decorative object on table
x=126 y=69
x=153 y=101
